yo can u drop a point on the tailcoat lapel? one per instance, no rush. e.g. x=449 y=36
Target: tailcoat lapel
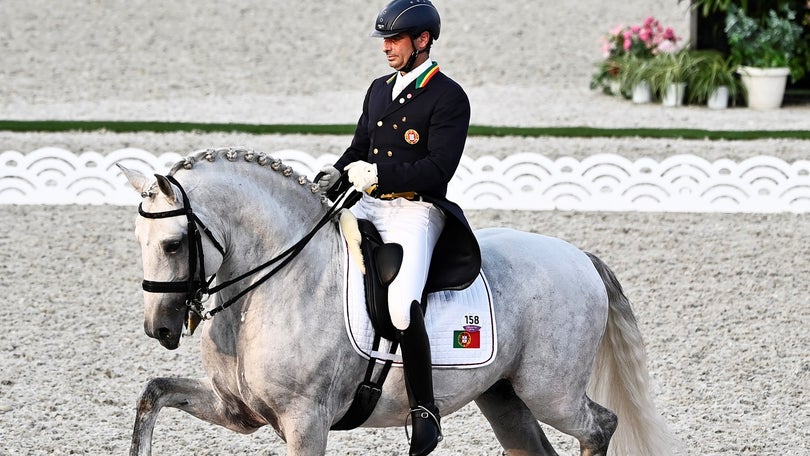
x=411 y=91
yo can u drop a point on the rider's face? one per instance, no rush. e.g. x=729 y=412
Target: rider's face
x=398 y=48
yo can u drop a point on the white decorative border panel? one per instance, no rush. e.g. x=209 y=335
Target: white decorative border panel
x=604 y=182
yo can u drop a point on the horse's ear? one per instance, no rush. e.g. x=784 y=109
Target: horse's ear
x=165 y=186
x=136 y=179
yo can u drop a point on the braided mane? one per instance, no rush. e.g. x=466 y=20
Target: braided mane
x=233 y=154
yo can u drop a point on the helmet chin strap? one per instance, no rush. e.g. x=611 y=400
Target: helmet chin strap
x=411 y=61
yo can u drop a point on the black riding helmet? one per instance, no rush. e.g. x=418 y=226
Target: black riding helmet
x=411 y=17
x=408 y=16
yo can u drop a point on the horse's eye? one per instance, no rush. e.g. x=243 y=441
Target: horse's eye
x=172 y=246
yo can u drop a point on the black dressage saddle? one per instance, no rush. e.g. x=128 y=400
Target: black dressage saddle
x=383 y=262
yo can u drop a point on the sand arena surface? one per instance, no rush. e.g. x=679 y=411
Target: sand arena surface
x=720 y=298
x=522 y=63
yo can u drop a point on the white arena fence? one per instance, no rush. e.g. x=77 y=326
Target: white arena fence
x=526 y=181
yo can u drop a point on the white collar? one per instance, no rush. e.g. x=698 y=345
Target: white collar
x=403 y=81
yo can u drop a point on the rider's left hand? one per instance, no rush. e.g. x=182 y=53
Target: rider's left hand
x=362 y=175
x=329 y=177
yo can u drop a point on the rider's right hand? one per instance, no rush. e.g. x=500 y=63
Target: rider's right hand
x=329 y=177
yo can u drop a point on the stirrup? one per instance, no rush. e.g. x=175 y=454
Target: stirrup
x=425 y=413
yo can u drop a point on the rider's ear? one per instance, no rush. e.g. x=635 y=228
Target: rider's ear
x=422 y=41
x=165 y=186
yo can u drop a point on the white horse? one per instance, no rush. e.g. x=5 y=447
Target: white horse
x=565 y=326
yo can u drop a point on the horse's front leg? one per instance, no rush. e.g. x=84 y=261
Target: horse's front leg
x=304 y=430
x=194 y=396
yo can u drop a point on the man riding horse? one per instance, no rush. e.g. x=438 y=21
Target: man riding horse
x=406 y=148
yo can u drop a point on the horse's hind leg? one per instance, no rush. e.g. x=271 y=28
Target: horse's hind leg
x=603 y=423
x=515 y=427
x=582 y=418
x=191 y=395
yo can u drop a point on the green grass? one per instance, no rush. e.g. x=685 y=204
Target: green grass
x=475 y=130
x=168 y=127
x=684 y=133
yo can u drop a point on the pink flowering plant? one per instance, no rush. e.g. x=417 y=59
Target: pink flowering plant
x=623 y=43
x=643 y=41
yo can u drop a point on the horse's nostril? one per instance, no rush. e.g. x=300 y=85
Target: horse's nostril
x=163 y=333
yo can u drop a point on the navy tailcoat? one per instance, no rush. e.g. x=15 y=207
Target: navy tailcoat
x=417 y=141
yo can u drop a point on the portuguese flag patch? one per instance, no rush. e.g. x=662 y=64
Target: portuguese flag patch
x=470 y=337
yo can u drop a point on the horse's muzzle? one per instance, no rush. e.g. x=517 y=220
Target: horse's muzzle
x=168 y=338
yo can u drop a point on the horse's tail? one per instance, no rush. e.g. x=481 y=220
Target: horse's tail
x=620 y=380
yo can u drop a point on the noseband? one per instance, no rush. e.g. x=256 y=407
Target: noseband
x=197 y=289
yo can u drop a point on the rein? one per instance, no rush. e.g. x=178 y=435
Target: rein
x=198 y=290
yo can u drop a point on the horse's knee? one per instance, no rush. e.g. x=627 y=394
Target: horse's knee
x=152 y=392
x=166 y=392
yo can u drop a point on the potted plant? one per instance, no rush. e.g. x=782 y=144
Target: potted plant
x=767 y=51
x=712 y=80
x=634 y=79
x=623 y=45
x=607 y=76
x=669 y=74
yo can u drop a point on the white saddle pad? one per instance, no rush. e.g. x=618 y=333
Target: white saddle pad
x=460 y=324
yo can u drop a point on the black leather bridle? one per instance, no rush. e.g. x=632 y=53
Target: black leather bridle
x=198 y=289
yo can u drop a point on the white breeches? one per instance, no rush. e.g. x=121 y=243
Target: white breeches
x=416 y=226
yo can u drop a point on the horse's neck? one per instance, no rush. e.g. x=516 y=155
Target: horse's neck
x=303 y=296
x=257 y=214
x=262 y=216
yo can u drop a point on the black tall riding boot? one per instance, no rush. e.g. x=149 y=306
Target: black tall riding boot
x=419 y=381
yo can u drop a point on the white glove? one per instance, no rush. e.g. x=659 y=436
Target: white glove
x=329 y=178
x=362 y=175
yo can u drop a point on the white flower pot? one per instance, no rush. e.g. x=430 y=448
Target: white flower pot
x=765 y=87
x=673 y=95
x=718 y=99
x=642 y=93
x=615 y=87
